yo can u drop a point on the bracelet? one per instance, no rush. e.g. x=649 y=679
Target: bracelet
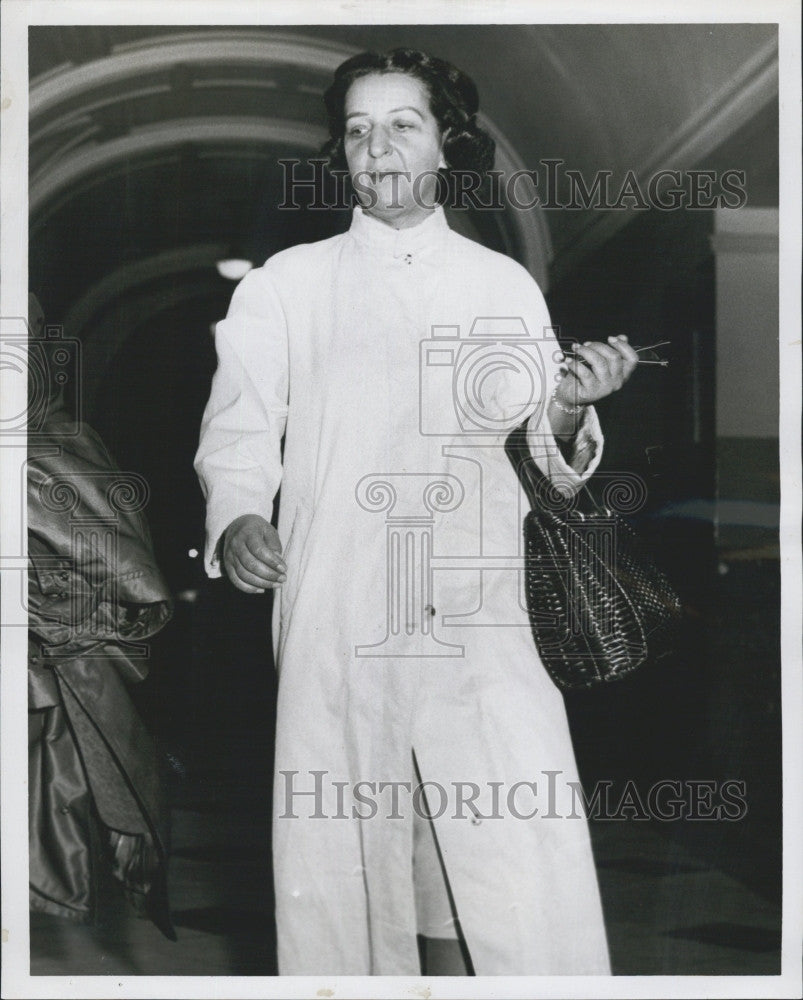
x=571 y=410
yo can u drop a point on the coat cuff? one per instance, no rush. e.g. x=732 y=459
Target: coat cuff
x=583 y=458
x=217 y=520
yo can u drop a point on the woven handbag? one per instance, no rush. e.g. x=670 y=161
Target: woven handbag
x=598 y=605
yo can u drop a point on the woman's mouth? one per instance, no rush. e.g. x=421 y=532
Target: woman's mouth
x=379 y=175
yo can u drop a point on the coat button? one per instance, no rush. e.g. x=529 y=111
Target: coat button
x=476 y=820
x=429 y=610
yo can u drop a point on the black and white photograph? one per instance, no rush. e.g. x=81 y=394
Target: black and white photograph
x=400 y=435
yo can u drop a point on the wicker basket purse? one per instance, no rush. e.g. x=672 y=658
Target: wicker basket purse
x=598 y=605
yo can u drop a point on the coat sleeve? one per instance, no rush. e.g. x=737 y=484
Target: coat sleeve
x=239 y=455
x=584 y=454
x=586 y=448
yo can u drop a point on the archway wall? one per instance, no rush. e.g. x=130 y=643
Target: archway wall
x=160 y=101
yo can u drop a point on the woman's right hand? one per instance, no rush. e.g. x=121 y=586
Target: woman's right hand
x=252 y=555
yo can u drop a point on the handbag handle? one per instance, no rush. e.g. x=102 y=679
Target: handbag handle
x=532 y=479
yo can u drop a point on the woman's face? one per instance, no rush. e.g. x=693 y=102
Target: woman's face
x=393 y=147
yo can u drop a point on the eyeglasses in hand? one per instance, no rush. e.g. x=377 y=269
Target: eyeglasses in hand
x=650 y=355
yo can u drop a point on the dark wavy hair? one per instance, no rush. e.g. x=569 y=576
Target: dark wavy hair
x=453 y=101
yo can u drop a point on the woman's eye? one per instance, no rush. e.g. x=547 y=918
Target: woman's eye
x=356 y=131
x=403 y=126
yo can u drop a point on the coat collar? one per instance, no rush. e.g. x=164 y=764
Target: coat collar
x=382 y=238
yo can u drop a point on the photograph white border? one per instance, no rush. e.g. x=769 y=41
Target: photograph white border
x=17 y=15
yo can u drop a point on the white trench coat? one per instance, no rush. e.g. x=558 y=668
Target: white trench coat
x=397 y=362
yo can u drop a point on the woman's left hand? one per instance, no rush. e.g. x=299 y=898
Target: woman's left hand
x=597 y=371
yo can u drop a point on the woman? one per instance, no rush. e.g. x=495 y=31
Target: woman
x=397 y=669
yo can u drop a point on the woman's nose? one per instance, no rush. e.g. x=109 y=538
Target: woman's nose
x=379 y=143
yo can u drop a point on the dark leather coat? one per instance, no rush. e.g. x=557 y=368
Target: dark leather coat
x=95 y=593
